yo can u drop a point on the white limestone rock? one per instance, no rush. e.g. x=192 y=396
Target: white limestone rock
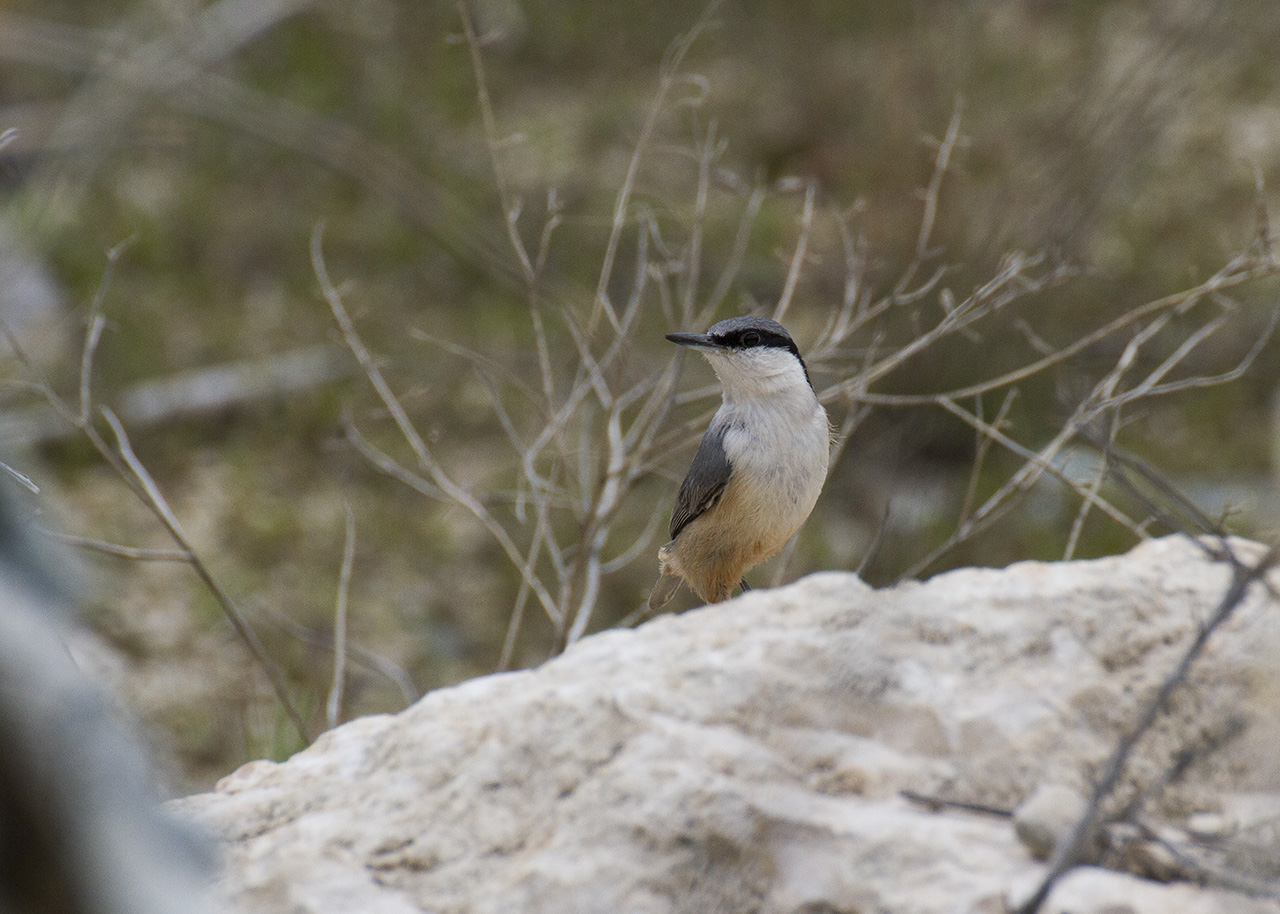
x=1042 y=819
x=748 y=757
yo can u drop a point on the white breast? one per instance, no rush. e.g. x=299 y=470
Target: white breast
x=779 y=448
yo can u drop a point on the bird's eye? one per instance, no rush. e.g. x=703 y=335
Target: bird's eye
x=751 y=338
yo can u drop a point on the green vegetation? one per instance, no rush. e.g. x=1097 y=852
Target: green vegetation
x=1120 y=139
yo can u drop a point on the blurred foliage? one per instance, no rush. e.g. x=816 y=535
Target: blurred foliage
x=1120 y=136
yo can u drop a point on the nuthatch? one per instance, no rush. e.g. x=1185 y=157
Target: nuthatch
x=759 y=469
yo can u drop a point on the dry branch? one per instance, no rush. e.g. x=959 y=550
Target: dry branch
x=155 y=500
x=1071 y=851
x=131 y=471
x=333 y=706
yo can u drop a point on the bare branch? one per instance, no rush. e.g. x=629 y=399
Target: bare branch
x=1070 y=851
x=942 y=161
x=522 y=596
x=935 y=803
x=363 y=356
x=733 y=265
x=669 y=78
x=93 y=334
x=124 y=552
x=980 y=450
x=798 y=256
x=1037 y=464
x=155 y=500
x=334 y=705
x=510 y=209
x=707 y=153
x=21 y=478
x=454 y=493
x=1237 y=272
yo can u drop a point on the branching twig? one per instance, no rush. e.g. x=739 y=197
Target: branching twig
x=1203 y=872
x=94 y=332
x=131 y=471
x=924 y=237
x=439 y=479
x=798 y=256
x=983 y=446
x=124 y=552
x=1070 y=851
x=155 y=500
x=1237 y=272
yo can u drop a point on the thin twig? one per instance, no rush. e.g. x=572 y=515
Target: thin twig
x=115 y=549
x=1125 y=462
x=155 y=500
x=439 y=479
x=1095 y=486
x=1202 y=872
x=125 y=463
x=21 y=478
x=877 y=540
x=707 y=153
x=1037 y=463
x=1070 y=850
x=1235 y=273
x=798 y=256
x=510 y=209
x=668 y=80
x=362 y=354
x=935 y=803
x=334 y=705
x=924 y=238
x=981 y=448
x=733 y=266
x=93 y=334
x=356 y=654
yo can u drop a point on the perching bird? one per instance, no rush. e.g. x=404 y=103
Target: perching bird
x=759 y=469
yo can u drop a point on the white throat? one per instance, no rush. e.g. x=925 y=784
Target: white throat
x=762 y=375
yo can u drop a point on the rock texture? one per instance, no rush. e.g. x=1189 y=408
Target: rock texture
x=750 y=757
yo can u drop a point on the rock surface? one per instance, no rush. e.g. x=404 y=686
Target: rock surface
x=749 y=757
x=1046 y=817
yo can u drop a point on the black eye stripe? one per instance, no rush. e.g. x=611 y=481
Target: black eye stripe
x=729 y=335
x=750 y=338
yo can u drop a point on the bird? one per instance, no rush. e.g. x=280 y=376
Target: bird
x=760 y=466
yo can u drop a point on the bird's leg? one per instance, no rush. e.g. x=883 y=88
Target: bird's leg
x=743 y=584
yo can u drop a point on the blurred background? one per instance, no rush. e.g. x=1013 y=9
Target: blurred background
x=170 y=160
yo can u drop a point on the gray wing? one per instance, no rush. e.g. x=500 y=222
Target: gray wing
x=705 y=483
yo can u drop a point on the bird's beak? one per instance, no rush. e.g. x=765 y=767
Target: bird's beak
x=697 y=340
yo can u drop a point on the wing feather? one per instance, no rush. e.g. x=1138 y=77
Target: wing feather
x=705 y=483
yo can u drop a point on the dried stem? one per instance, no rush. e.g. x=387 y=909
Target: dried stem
x=155 y=500
x=798 y=256
x=93 y=334
x=1070 y=851
x=131 y=471
x=334 y=705
x=115 y=549
x=439 y=479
